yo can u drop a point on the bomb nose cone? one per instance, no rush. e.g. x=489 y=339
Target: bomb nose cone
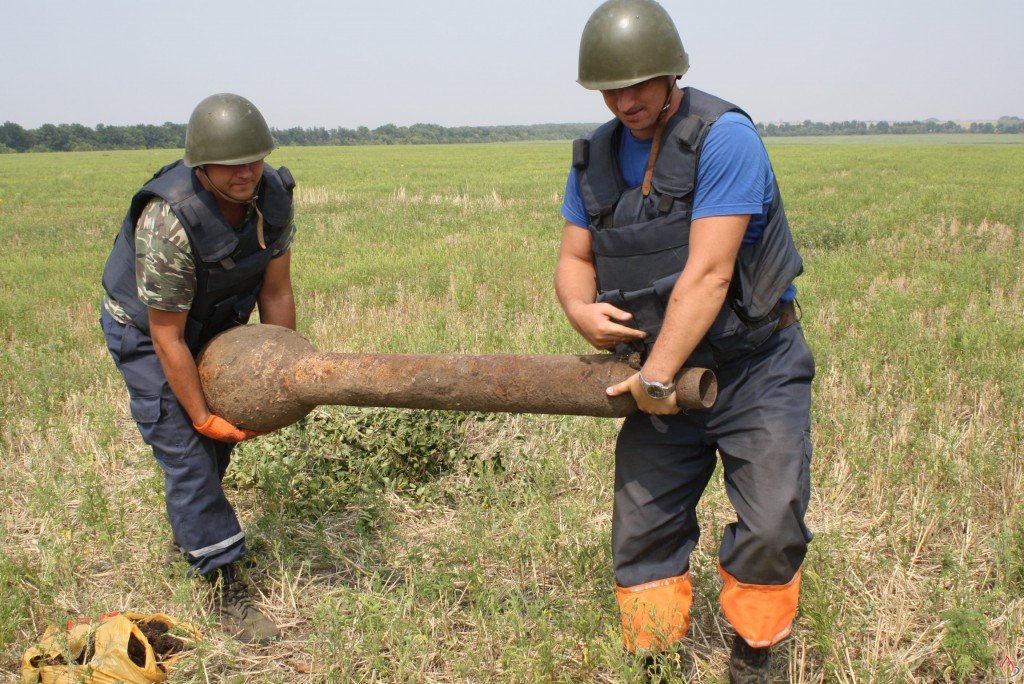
x=248 y=373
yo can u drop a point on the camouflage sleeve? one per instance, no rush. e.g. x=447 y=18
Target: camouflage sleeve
x=286 y=241
x=164 y=268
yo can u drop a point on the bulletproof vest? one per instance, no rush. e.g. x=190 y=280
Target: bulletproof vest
x=641 y=244
x=229 y=262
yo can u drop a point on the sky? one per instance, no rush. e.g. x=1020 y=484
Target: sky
x=481 y=63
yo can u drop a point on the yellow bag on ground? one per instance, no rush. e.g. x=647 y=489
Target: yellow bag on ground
x=107 y=650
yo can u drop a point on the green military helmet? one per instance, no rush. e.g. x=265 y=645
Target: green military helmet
x=226 y=129
x=626 y=42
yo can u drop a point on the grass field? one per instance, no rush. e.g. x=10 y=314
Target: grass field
x=398 y=546
x=910 y=138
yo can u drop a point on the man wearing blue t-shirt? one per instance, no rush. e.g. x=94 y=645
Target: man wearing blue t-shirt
x=676 y=250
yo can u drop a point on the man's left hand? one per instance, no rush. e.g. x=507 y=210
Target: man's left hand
x=645 y=402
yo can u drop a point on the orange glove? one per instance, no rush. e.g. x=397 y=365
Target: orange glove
x=221 y=430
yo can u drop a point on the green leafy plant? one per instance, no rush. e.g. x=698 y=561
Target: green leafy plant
x=333 y=456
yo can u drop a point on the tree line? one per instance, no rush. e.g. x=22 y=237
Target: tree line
x=76 y=137
x=1005 y=124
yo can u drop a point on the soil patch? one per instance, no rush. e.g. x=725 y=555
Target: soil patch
x=156 y=634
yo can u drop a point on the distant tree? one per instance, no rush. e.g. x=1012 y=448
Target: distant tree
x=1010 y=124
x=50 y=138
x=15 y=137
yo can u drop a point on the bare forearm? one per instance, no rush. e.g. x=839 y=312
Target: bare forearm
x=699 y=293
x=692 y=308
x=278 y=309
x=276 y=300
x=180 y=369
x=601 y=324
x=575 y=283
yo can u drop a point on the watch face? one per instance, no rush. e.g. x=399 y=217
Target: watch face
x=656 y=390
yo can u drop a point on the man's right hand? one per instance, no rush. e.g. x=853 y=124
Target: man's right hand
x=221 y=430
x=597 y=323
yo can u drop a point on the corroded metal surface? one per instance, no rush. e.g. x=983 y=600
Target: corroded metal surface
x=248 y=376
x=265 y=377
x=511 y=383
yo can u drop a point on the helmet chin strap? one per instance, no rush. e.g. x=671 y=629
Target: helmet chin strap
x=251 y=202
x=656 y=143
x=668 y=95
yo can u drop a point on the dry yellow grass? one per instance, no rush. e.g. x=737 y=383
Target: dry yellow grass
x=499 y=568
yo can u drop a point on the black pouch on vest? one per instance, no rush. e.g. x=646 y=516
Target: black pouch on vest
x=765 y=269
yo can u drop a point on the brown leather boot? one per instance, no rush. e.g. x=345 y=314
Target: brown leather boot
x=748 y=665
x=239 y=616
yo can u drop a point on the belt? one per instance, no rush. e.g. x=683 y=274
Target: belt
x=787 y=315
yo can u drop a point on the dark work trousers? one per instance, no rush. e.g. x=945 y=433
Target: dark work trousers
x=760 y=424
x=203 y=522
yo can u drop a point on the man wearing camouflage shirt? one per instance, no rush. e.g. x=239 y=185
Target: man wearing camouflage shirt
x=204 y=242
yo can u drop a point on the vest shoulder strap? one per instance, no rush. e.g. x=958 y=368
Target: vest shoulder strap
x=706 y=106
x=675 y=170
x=211 y=238
x=276 y=203
x=596 y=159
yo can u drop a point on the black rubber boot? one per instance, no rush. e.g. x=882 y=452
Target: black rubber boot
x=748 y=665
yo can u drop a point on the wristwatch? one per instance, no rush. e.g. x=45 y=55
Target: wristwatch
x=656 y=390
